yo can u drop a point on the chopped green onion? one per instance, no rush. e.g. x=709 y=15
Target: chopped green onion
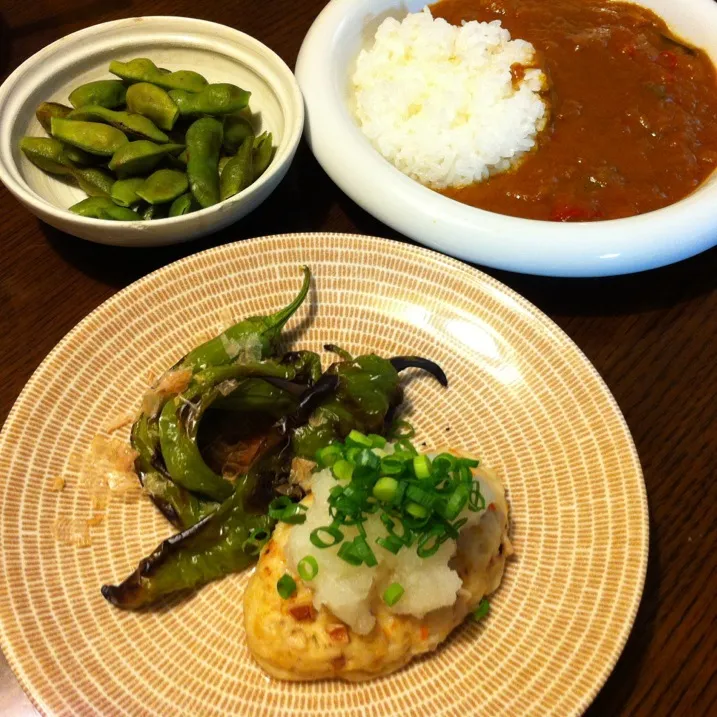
x=363 y=551
x=328 y=455
x=308 y=568
x=406 y=537
x=393 y=593
x=420 y=496
x=444 y=463
x=359 y=439
x=255 y=542
x=476 y=501
x=403 y=445
x=278 y=506
x=482 y=610
x=416 y=510
x=385 y=489
x=456 y=503
x=390 y=543
x=422 y=466
x=402 y=429
x=469 y=462
x=342 y=470
x=390 y=465
x=294 y=514
x=367 y=459
x=464 y=474
x=330 y=530
x=430 y=542
x=348 y=553
x=376 y=440
x=286 y=586
x=352 y=454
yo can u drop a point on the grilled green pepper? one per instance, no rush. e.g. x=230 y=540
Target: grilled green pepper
x=257 y=334
x=227 y=540
x=367 y=396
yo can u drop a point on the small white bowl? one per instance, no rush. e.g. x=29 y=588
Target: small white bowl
x=618 y=246
x=218 y=52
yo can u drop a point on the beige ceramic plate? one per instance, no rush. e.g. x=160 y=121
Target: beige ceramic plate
x=521 y=394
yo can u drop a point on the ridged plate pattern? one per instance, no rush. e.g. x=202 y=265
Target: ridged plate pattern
x=521 y=395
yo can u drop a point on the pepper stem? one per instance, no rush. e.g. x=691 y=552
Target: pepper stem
x=402 y=362
x=278 y=319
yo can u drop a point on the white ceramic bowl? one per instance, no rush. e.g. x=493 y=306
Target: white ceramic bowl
x=218 y=52
x=618 y=246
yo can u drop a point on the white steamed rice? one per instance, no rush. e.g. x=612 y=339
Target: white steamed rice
x=438 y=101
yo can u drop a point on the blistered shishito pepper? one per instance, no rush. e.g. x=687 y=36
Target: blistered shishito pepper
x=368 y=394
x=258 y=336
x=257 y=333
x=177 y=504
x=180 y=418
x=227 y=540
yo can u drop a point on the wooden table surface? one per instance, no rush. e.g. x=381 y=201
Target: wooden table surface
x=652 y=336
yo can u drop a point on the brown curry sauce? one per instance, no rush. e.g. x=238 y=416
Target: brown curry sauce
x=632 y=111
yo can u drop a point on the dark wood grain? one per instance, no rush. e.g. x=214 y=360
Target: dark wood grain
x=652 y=336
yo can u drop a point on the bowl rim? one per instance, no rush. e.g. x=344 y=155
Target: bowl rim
x=284 y=152
x=609 y=247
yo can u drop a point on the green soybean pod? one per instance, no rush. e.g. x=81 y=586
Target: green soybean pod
x=183 y=205
x=95 y=138
x=105 y=93
x=94 y=182
x=124 y=191
x=142 y=69
x=263 y=153
x=223 y=163
x=218 y=99
x=163 y=186
x=128 y=122
x=236 y=129
x=47 y=110
x=154 y=211
x=140 y=157
x=47 y=154
x=152 y=102
x=104 y=208
x=79 y=156
x=204 y=142
x=239 y=171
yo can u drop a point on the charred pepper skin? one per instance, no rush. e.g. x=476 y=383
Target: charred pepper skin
x=217 y=545
x=366 y=399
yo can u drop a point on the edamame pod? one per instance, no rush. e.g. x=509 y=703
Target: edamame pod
x=124 y=191
x=154 y=211
x=104 y=208
x=164 y=186
x=143 y=70
x=95 y=138
x=223 y=163
x=183 y=205
x=94 y=182
x=47 y=154
x=152 y=102
x=239 y=171
x=236 y=130
x=218 y=99
x=105 y=93
x=140 y=157
x=204 y=141
x=263 y=153
x=128 y=122
x=47 y=110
